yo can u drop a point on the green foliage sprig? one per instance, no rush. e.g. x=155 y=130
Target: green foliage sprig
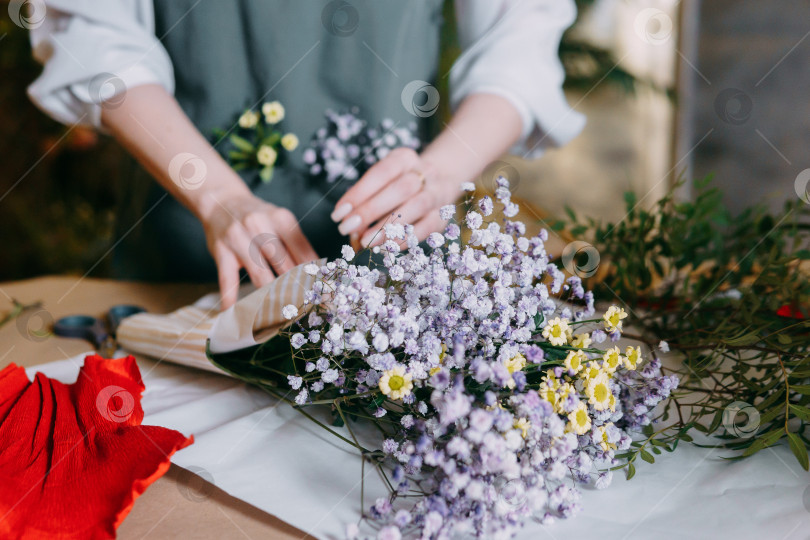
x=730 y=294
x=17 y=310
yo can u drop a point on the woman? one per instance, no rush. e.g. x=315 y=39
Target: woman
x=180 y=69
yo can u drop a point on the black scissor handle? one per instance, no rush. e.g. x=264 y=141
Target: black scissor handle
x=81 y=326
x=119 y=313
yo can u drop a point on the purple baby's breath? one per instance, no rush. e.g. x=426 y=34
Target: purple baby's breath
x=347 y=252
x=435 y=240
x=298 y=340
x=486 y=206
x=445 y=345
x=598 y=336
x=346 y=147
x=447 y=212
x=452 y=231
x=330 y=376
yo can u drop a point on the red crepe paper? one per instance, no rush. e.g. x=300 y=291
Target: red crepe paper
x=73 y=458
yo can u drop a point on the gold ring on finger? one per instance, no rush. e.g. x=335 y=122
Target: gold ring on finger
x=422 y=177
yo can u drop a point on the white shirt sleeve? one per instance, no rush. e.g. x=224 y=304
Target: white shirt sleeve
x=93 y=50
x=510 y=48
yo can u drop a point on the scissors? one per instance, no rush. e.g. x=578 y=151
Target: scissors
x=94 y=329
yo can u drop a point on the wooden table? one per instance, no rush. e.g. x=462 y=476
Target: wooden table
x=178 y=505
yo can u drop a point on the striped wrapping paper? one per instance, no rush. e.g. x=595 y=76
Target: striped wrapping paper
x=180 y=336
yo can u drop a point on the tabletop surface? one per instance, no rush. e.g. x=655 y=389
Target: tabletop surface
x=178 y=505
x=690 y=494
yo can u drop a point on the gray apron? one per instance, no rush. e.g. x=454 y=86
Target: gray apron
x=311 y=55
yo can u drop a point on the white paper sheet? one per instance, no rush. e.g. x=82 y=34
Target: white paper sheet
x=272 y=457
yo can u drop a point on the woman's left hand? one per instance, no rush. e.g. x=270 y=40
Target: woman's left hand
x=407 y=187
x=403 y=187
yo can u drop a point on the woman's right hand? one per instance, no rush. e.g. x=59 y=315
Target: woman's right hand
x=241 y=230
x=244 y=231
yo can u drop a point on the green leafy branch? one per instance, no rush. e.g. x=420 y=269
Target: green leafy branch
x=17 y=310
x=730 y=294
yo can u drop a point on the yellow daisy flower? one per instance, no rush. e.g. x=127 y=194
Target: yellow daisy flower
x=249 y=119
x=289 y=142
x=523 y=425
x=581 y=341
x=496 y=406
x=602 y=437
x=565 y=390
x=632 y=357
x=598 y=392
x=556 y=396
x=273 y=112
x=578 y=420
x=613 y=318
x=557 y=331
x=516 y=363
x=266 y=155
x=396 y=383
x=438 y=359
x=612 y=359
x=548 y=394
x=593 y=369
x=575 y=361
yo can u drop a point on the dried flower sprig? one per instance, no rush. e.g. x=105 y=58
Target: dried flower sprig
x=17 y=310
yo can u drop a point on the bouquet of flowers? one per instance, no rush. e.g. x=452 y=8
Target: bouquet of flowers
x=480 y=365
x=259 y=142
x=346 y=147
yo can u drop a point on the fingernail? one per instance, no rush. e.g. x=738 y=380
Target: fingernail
x=349 y=225
x=341 y=212
x=366 y=239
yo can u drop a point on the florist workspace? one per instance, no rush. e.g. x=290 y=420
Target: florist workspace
x=364 y=270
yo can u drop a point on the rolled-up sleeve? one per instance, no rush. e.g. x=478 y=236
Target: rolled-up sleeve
x=94 y=50
x=510 y=48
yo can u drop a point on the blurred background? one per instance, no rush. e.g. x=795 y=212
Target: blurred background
x=671 y=89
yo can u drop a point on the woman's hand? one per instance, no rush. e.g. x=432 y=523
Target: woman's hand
x=404 y=188
x=414 y=186
x=244 y=231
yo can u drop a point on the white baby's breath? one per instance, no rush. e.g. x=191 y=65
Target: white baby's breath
x=289 y=311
